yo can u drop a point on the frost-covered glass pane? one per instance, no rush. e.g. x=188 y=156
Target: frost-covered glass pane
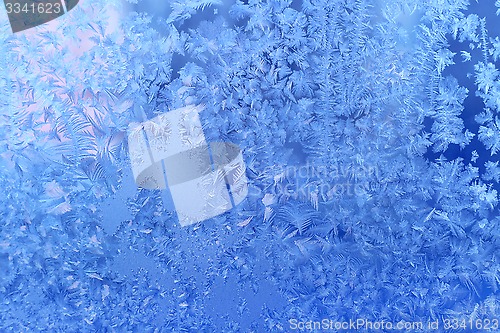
x=249 y=166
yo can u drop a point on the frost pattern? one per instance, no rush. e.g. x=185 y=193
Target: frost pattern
x=349 y=113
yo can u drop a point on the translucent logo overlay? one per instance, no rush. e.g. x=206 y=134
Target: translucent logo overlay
x=26 y=14
x=205 y=179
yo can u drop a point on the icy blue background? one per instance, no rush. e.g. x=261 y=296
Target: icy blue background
x=370 y=131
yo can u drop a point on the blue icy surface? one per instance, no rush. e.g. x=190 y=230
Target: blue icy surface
x=370 y=132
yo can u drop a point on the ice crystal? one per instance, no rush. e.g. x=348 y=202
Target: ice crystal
x=373 y=182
